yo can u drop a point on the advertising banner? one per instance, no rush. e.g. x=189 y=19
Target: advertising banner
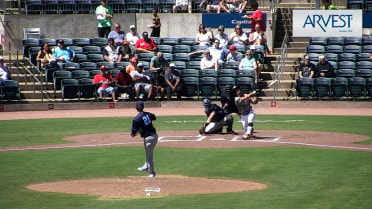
x=228 y=20
x=327 y=23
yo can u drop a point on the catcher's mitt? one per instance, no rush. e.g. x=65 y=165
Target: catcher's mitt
x=202 y=128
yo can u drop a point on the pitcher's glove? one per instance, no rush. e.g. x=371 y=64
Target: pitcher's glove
x=202 y=128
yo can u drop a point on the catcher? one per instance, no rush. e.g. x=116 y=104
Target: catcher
x=216 y=120
x=247 y=115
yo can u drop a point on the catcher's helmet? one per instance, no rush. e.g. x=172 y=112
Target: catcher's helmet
x=228 y=88
x=207 y=102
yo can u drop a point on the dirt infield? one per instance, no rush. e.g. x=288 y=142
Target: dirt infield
x=134 y=187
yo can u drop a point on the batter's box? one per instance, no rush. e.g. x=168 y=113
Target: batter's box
x=181 y=138
x=258 y=139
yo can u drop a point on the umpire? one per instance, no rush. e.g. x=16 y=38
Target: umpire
x=142 y=123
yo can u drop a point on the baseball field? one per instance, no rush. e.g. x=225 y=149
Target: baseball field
x=67 y=160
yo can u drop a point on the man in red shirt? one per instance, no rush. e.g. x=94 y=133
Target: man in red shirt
x=256 y=18
x=123 y=84
x=103 y=81
x=145 y=44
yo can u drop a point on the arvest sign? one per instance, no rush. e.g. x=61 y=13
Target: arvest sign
x=327 y=23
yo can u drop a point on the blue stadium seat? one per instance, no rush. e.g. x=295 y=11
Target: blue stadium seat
x=180 y=65
x=67 y=41
x=198 y=47
x=340 y=87
x=246 y=73
x=98 y=41
x=92 y=50
x=70 y=88
x=305 y=87
x=193 y=64
x=77 y=74
x=329 y=56
x=77 y=49
x=208 y=73
x=345 y=73
x=181 y=49
x=58 y=76
x=363 y=56
x=169 y=41
x=313 y=49
x=226 y=72
x=346 y=65
x=92 y=73
x=322 y=87
x=191 y=86
x=232 y=65
x=122 y=64
x=71 y=66
x=86 y=88
x=51 y=41
x=81 y=58
x=168 y=56
x=367 y=49
x=88 y=66
x=335 y=41
x=165 y=48
x=95 y=57
x=364 y=65
x=364 y=73
x=318 y=41
x=357 y=87
x=352 y=49
x=187 y=41
x=338 y=49
x=145 y=56
x=190 y=73
x=246 y=84
x=222 y=82
x=109 y=65
x=346 y=57
x=10 y=90
x=181 y=57
x=30 y=42
x=352 y=41
x=367 y=40
x=208 y=86
x=81 y=41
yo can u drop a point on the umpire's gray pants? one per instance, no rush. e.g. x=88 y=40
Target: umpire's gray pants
x=150 y=143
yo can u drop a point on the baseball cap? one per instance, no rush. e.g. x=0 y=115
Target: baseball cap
x=61 y=41
x=145 y=34
x=1 y=58
x=132 y=26
x=102 y=68
x=126 y=43
x=232 y=47
x=172 y=65
x=252 y=47
x=111 y=39
x=134 y=59
x=140 y=65
x=140 y=104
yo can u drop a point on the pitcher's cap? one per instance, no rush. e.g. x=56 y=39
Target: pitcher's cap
x=140 y=104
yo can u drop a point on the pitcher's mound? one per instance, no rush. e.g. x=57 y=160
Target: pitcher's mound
x=134 y=187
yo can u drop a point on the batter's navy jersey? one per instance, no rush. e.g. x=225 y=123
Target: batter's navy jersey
x=143 y=123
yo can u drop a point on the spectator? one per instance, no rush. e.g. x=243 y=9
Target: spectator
x=117 y=34
x=307 y=69
x=249 y=63
x=203 y=37
x=44 y=56
x=111 y=52
x=327 y=4
x=103 y=81
x=222 y=7
x=259 y=59
x=104 y=14
x=259 y=38
x=233 y=55
x=127 y=51
x=324 y=68
x=208 y=61
x=132 y=66
x=146 y=44
x=222 y=36
x=123 y=85
x=256 y=18
x=243 y=6
x=132 y=36
x=182 y=5
x=216 y=51
x=156 y=24
x=247 y=115
x=238 y=37
x=158 y=62
x=172 y=79
x=63 y=53
x=142 y=82
x=4 y=72
x=233 y=5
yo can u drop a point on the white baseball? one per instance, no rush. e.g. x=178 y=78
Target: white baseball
x=148 y=194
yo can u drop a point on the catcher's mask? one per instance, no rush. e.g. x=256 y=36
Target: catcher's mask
x=207 y=102
x=228 y=89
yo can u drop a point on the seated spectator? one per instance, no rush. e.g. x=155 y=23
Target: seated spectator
x=132 y=36
x=132 y=66
x=222 y=36
x=203 y=38
x=208 y=61
x=307 y=69
x=259 y=38
x=233 y=5
x=63 y=53
x=123 y=85
x=238 y=37
x=117 y=34
x=216 y=51
x=233 y=55
x=146 y=44
x=259 y=59
x=327 y=4
x=158 y=62
x=243 y=6
x=173 y=79
x=44 y=56
x=103 y=81
x=324 y=68
x=182 y=5
x=142 y=83
x=111 y=52
x=249 y=63
x=4 y=72
x=127 y=51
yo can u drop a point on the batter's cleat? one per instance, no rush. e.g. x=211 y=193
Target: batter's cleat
x=152 y=175
x=246 y=137
x=143 y=168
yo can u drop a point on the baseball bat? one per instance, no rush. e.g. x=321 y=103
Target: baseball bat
x=272 y=83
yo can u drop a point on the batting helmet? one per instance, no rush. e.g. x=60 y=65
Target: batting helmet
x=207 y=102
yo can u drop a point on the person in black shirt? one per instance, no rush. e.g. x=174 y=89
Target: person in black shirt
x=216 y=118
x=142 y=123
x=324 y=68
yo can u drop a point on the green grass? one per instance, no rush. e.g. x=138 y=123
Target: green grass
x=296 y=177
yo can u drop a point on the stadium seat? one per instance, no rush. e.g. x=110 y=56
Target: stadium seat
x=364 y=65
x=346 y=57
x=318 y=41
x=191 y=86
x=352 y=41
x=363 y=57
x=169 y=41
x=338 y=49
x=190 y=73
x=208 y=73
x=88 y=66
x=30 y=42
x=369 y=86
x=10 y=90
x=198 y=47
x=315 y=56
x=187 y=41
x=231 y=65
x=92 y=50
x=193 y=64
x=81 y=58
x=168 y=56
x=77 y=74
x=352 y=49
x=81 y=41
x=181 y=57
x=367 y=40
x=346 y=65
x=77 y=49
x=313 y=49
x=165 y=48
x=32 y=54
x=51 y=41
x=122 y=64
x=222 y=82
x=146 y=65
x=246 y=73
x=340 y=87
x=335 y=41
x=181 y=49
x=86 y=88
x=180 y=65
x=367 y=48
x=156 y=40
x=329 y=56
x=98 y=41
x=364 y=73
x=92 y=73
x=357 y=87
x=95 y=57
x=345 y=73
x=196 y=57
x=50 y=6
x=114 y=72
x=71 y=66
x=208 y=86
x=67 y=41
x=322 y=87
x=66 y=6
x=58 y=76
x=109 y=65
x=246 y=84
x=33 y=6
x=70 y=88
x=305 y=87
x=226 y=72
x=145 y=56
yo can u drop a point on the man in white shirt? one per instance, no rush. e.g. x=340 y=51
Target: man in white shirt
x=141 y=82
x=132 y=36
x=222 y=36
x=208 y=61
x=3 y=71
